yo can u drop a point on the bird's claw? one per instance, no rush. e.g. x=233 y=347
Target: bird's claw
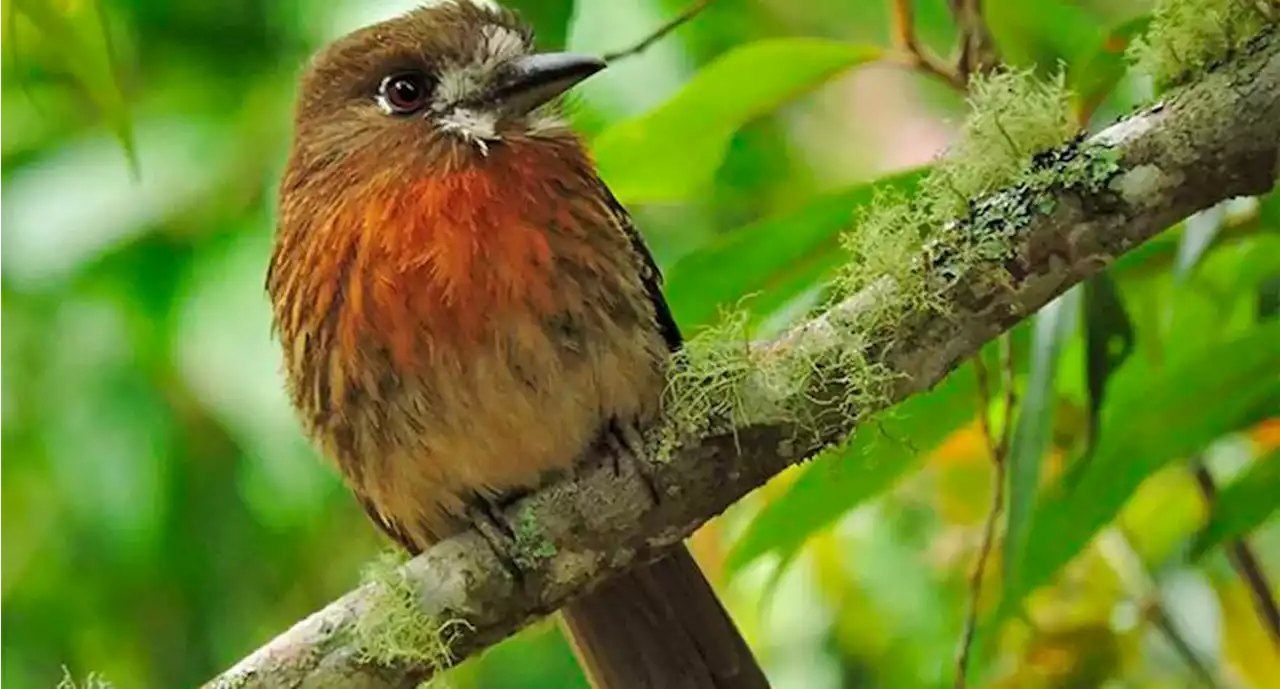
x=626 y=445
x=486 y=516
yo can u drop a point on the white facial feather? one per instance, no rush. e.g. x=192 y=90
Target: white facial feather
x=477 y=126
x=500 y=45
x=459 y=82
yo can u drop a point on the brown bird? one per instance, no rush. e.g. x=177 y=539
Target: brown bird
x=465 y=308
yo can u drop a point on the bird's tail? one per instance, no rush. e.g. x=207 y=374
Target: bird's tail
x=660 y=626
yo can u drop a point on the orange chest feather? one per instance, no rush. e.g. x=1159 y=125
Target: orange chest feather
x=456 y=256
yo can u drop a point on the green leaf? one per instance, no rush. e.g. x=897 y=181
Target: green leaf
x=1199 y=231
x=1041 y=34
x=549 y=19
x=81 y=38
x=1269 y=298
x=674 y=150
x=1242 y=506
x=1096 y=75
x=1054 y=324
x=881 y=451
x=768 y=256
x=1108 y=342
x=1269 y=209
x=1152 y=418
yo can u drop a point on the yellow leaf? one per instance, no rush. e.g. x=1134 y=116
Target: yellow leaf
x=1248 y=650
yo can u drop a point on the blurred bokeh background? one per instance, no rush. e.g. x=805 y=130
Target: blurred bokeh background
x=162 y=515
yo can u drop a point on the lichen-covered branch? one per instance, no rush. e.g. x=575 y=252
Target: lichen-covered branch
x=1089 y=202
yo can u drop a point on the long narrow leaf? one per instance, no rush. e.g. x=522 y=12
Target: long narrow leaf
x=1054 y=324
x=1198 y=233
x=549 y=18
x=1159 y=419
x=1042 y=34
x=761 y=256
x=1109 y=341
x=1242 y=506
x=879 y=454
x=671 y=152
x=1095 y=76
x=81 y=37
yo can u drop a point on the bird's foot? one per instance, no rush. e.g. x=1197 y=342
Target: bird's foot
x=487 y=515
x=625 y=443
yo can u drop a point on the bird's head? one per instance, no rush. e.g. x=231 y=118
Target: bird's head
x=444 y=83
x=429 y=165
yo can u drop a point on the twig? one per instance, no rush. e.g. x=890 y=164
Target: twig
x=984 y=402
x=1010 y=393
x=1159 y=616
x=977 y=52
x=689 y=13
x=1243 y=560
x=1116 y=546
x=964 y=655
x=915 y=55
x=998 y=448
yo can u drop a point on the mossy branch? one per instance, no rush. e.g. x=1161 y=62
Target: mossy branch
x=1002 y=256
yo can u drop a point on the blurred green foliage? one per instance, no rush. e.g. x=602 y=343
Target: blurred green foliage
x=163 y=516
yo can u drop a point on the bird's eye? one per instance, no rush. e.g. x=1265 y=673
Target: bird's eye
x=404 y=93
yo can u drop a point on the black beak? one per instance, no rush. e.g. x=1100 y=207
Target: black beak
x=530 y=81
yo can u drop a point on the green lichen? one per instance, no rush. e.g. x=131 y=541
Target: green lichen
x=719 y=382
x=706 y=384
x=1187 y=37
x=1012 y=116
x=1016 y=124
x=531 y=542
x=1077 y=166
x=1019 y=133
x=91 y=681
x=393 y=629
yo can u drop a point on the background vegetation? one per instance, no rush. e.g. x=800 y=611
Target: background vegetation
x=163 y=516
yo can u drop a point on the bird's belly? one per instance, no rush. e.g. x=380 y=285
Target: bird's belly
x=496 y=419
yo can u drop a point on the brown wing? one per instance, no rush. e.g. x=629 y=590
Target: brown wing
x=390 y=528
x=649 y=274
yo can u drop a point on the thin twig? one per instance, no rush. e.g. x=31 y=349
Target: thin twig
x=1115 y=544
x=964 y=656
x=998 y=448
x=984 y=402
x=1243 y=560
x=1159 y=616
x=1010 y=393
x=977 y=51
x=689 y=13
x=913 y=54
x=1250 y=571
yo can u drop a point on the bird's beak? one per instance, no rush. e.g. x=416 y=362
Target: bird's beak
x=530 y=81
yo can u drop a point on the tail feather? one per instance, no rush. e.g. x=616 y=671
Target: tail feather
x=660 y=626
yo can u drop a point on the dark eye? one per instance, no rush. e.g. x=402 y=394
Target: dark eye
x=405 y=93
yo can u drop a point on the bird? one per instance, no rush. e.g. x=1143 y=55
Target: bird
x=464 y=308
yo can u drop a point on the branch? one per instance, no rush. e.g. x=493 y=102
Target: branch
x=1215 y=140
x=689 y=12
x=977 y=52
x=913 y=54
